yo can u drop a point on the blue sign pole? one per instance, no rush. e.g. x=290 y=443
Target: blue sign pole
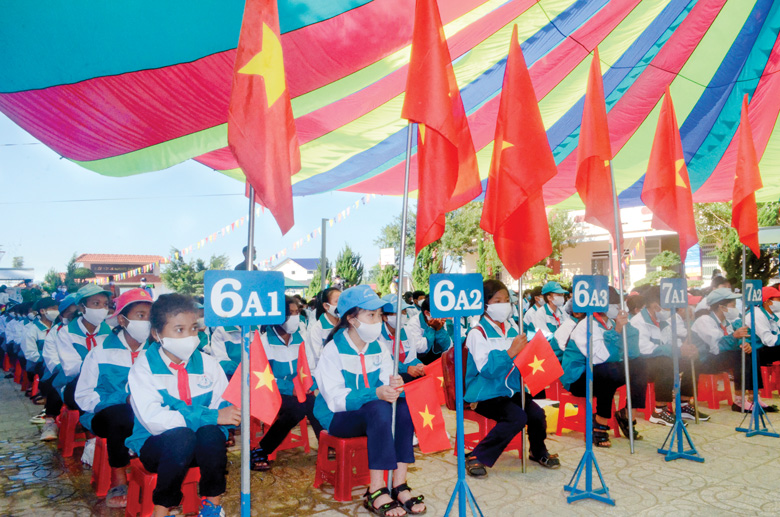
x=246 y=446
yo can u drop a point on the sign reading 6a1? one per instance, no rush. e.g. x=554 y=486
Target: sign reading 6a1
x=753 y=295
x=456 y=295
x=590 y=293
x=243 y=298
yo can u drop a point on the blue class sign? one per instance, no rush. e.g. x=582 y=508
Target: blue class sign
x=456 y=295
x=674 y=293
x=752 y=295
x=243 y=298
x=590 y=293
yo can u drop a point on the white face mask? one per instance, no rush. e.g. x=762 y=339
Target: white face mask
x=391 y=319
x=558 y=301
x=499 y=311
x=369 y=332
x=732 y=313
x=663 y=314
x=331 y=309
x=775 y=306
x=539 y=301
x=52 y=315
x=613 y=311
x=138 y=329
x=292 y=324
x=30 y=316
x=181 y=347
x=95 y=316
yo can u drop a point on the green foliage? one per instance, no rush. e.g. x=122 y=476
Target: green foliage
x=51 y=281
x=17 y=262
x=564 y=231
x=654 y=277
x=488 y=263
x=665 y=260
x=427 y=263
x=316 y=282
x=187 y=277
x=349 y=266
x=384 y=278
x=390 y=236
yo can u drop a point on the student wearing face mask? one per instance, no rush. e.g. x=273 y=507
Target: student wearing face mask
x=428 y=336
x=767 y=334
x=101 y=391
x=718 y=336
x=204 y=333
x=226 y=343
x=281 y=344
x=357 y=389
x=15 y=333
x=180 y=416
x=35 y=335
x=608 y=369
x=327 y=318
x=536 y=303
x=655 y=346
x=494 y=384
x=409 y=367
x=82 y=335
x=550 y=316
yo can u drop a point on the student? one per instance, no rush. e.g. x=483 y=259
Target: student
x=357 y=390
x=767 y=334
x=82 y=335
x=204 y=333
x=549 y=317
x=634 y=303
x=281 y=344
x=608 y=370
x=226 y=343
x=46 y=313
x=428 y=336
x=176 y=395
x=327 y=318
x=537 y=301
x=494 y=384
x=718 y=336
x=418 y=297
x=101 y=391
x=409 y=367
x=15 y=332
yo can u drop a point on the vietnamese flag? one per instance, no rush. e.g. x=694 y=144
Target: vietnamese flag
x=667 y=189
x=261 y=127
x=448 y=177
x=265 y=399
x=434 y=371
x=744 y=213
x=594 y=152
x=538 y=365
x=303 y=380
x=522 y=163
x=426 y=415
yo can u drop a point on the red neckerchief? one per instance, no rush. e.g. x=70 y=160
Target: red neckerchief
x=134 y=356
x=655 y=321
x=91 y=342
x=183 y=378
x=363 y=366
x=598 y=317
x=557 y=319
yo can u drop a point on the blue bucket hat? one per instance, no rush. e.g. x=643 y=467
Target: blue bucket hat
x=361 y=296
x=553 y=287
x=90 y=290
x=391 y=304
x=66 y=302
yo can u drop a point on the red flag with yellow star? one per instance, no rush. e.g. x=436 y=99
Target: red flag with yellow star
x=667 y=190
x=434 y=371
x=265 y=399
x=522 y=163
x=744 y=213
x=303 y=380
x=261 y=127
x=538 y=365
x=426 y=415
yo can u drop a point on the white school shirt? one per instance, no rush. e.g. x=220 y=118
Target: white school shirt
x=50 y=356
x=767 y=329
x=710 y=331
x=580 y=338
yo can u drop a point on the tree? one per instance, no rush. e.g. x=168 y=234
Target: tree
x=75 y=276
x=390 y=236
x=51 y=281
x=384 y=278
x=315 y=286
x=349 y=266
x=666 y=260
x=427 y=263
x=564 y=231
x=17 y=262
x=187 y=277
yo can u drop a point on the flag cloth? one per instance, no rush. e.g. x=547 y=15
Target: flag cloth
x=265 y=397
x=522 y=163
x=426 y=415
x=261 y=127
x=448 y=177
x=594 y=152
x=303 y=380
x=667 y=189
x=538 y=365
x=744 y=213
x=434 y=371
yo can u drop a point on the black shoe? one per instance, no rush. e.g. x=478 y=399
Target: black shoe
x=688 y=413
x=738 y=409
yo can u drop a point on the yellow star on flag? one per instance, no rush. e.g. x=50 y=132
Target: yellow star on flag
x=265 y=378
x=679 y=181
x=441 y=379
x=269 y=65
x=536 y=365
x=421 y=129
x=506 y=145
x=302 y=375
x=427 y=417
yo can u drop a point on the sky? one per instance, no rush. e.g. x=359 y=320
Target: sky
x=52 y=208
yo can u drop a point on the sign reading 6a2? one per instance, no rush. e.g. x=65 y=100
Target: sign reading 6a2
x=753 y=294
x=590 y=293
x=456 y=295
x=243 y=298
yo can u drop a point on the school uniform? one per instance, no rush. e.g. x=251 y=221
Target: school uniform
x=529 y=318
x=494 y=384
x=407 y=354
x=226 y=343
x=548 y=321
x=767 y=335
x=347 y=405
x=608 y=369
x=73 y=344
x=176 y=408
x=32 y=348
x=429 y=344
x=14 y=332
x=53 y=380
x=655 y=347
x=719 y=350
x=319 y=330
x=204 y=338
x=101 y=392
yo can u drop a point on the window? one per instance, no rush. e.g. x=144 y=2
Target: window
x=652 y=249
x=599 y=263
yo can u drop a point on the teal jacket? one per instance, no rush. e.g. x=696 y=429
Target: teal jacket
x=490 y=372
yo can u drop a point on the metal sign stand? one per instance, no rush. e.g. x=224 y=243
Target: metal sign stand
x=523 y=434
x=246 y=502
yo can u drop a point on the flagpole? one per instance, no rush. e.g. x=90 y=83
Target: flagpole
x=524 y=455
x=397 y=335
x=744 y=277
x=323 y=257
x=694 y=379
x=246 y=502
x=619 y=252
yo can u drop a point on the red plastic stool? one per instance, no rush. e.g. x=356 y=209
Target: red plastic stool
x=69 y=439
x=141 y=483
x=35 y=391
x=348 y=470
x=709 y=392
x=6 y=362
x=485 y=425
x=577 y=422
x=18 y=372
x=553 y=391
x=291 y=441
x=766 y=377
x=101 y=470
x=26 y=384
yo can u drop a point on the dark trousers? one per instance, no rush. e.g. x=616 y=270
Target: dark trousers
x=289 y=415
x=53 y=399
x=660 y=371
x=768 y=355
x=510 y=419
x=68 y=395
x=115 y=424
x=373 y=420
x=729 y=360
x=607 y=378
x=173 y=452
x=428 y=357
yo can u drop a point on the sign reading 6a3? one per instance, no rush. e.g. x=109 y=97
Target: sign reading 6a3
x=243 y=298
x=590 y=293
x=456 y=295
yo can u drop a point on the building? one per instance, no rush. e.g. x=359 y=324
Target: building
x=299 y=269
x=107 y=266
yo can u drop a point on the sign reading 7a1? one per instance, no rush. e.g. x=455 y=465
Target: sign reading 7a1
x=243 y=298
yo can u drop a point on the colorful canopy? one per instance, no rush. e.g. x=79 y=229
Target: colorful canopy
x=123 y=88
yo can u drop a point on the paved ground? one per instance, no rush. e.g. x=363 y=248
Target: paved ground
x=740 y=476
